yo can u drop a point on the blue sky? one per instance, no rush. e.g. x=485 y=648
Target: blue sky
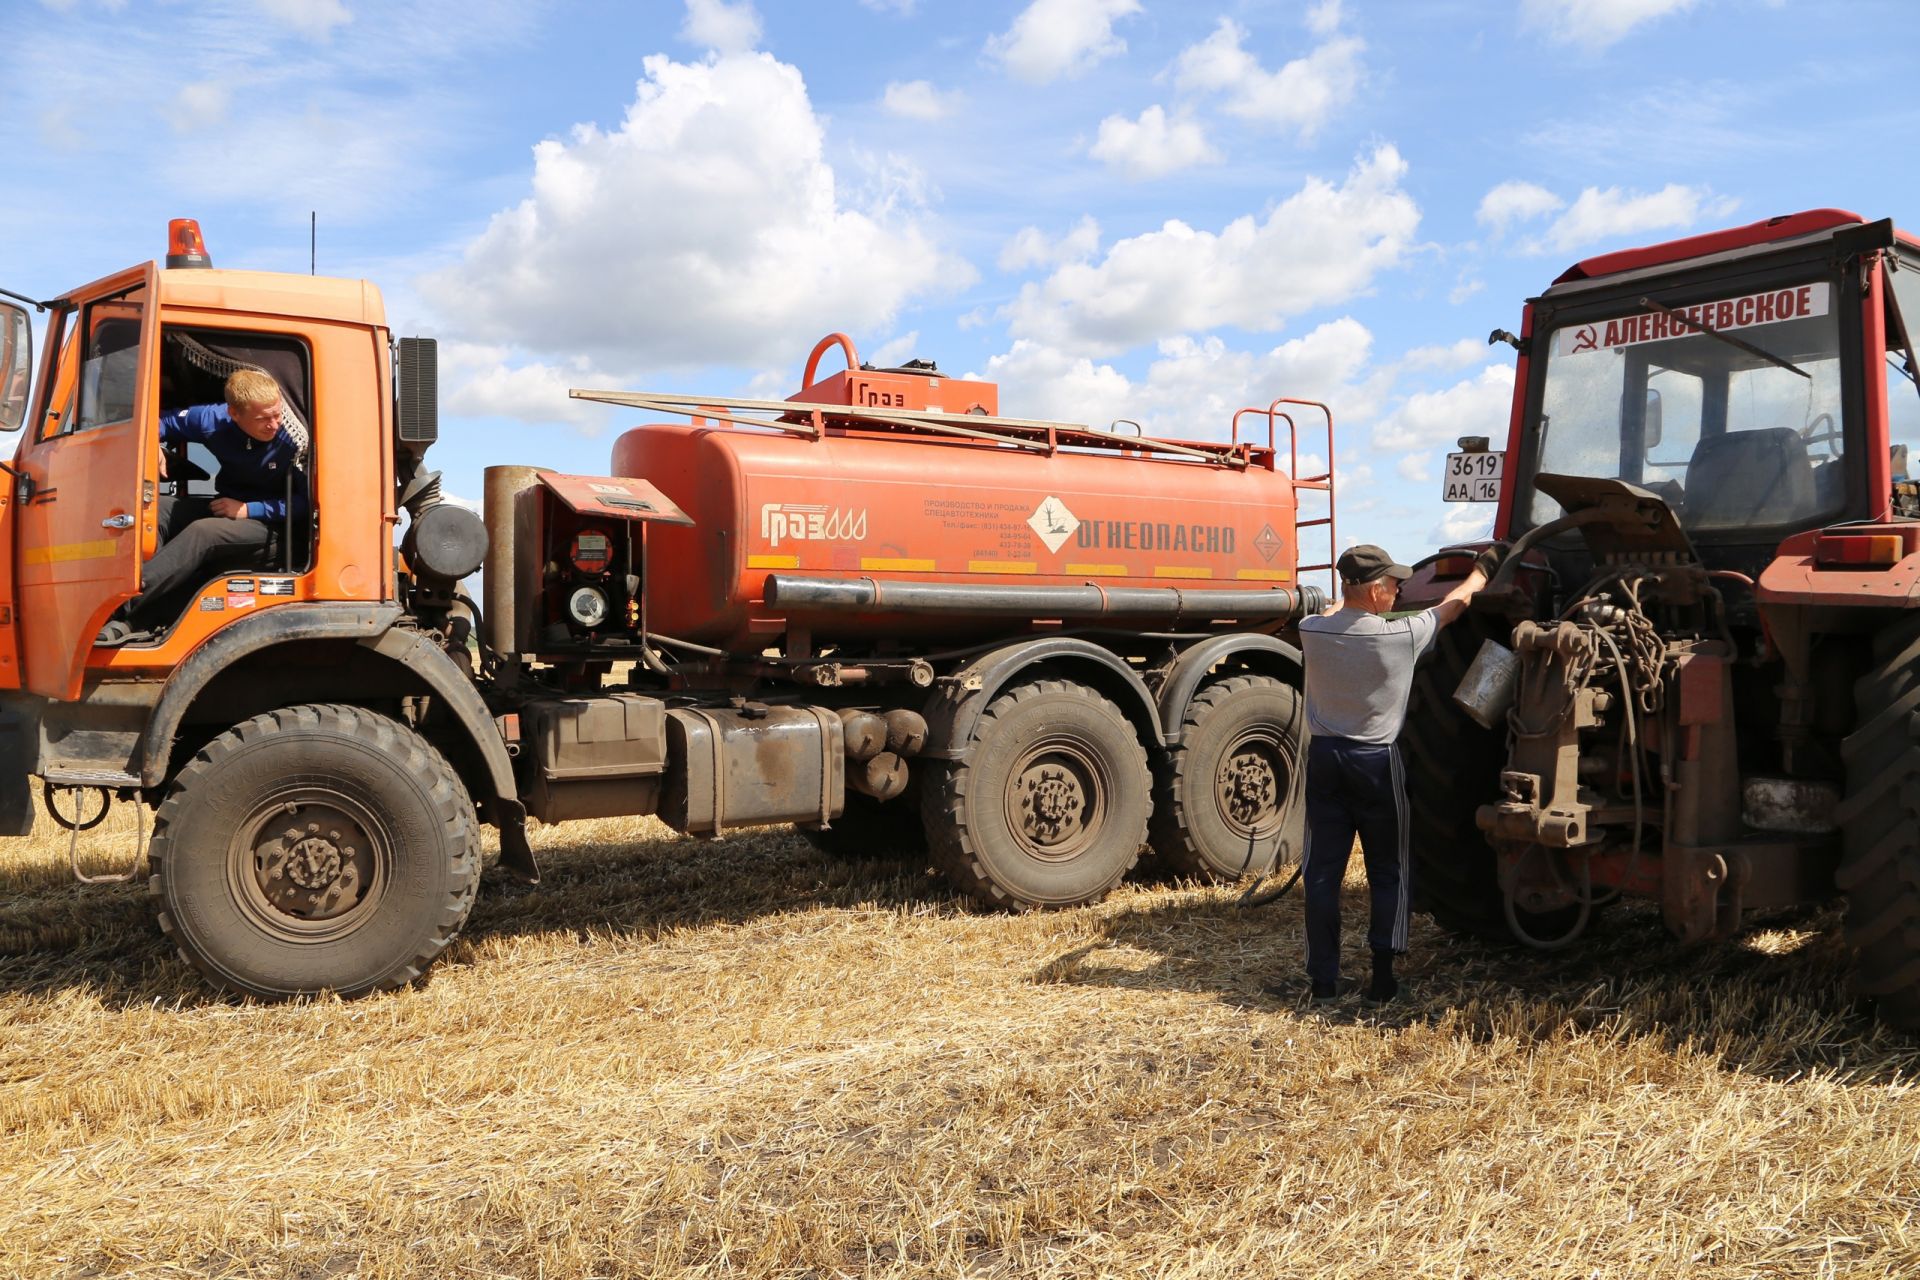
x=1116 y=208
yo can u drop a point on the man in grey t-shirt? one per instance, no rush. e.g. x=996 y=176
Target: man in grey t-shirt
x=1359 y=674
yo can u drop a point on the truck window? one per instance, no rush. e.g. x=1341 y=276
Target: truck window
x=110 y=365
x=16 y=361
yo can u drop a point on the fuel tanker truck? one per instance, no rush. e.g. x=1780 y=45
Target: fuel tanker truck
x=879 y=610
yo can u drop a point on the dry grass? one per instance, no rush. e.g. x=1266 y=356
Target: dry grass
x=685 y=1059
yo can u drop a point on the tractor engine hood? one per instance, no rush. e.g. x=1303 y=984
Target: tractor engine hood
x=1627 y=521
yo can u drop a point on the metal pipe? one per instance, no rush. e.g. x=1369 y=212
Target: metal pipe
x=866 y=595
x=502 y=486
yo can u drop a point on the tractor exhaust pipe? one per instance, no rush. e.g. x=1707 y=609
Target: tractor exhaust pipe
x=1167 y=604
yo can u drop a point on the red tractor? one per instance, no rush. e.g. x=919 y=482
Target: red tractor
x=1696 y=677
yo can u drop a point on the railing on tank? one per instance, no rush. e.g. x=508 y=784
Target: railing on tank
x=1324 y=483
x=811 y=420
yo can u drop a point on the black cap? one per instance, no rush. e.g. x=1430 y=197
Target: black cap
x=1366 y=562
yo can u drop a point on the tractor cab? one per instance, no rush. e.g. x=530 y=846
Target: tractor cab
x=1754 y=384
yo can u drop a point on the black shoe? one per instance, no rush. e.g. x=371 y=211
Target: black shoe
x=1384 y=986
x=1338 y=989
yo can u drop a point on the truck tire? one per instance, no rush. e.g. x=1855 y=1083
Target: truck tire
x=318 y=848
x=1050 y=809
x=1219 y=797
x=869 y=828
x=1880 y=828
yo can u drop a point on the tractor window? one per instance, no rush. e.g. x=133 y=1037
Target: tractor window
x=1903 y=394
x=1737 y=429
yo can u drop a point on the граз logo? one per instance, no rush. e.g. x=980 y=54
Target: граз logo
x=811 y=522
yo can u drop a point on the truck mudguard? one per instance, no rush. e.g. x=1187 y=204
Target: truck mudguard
x=955 y=711
x=263 y=630
x=1268 y=655
x=455 y=690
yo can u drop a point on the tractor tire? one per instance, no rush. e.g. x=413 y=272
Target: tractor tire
x=1220 y=797
x=869 y=828
x=318 y=848
x=1050 y=808
x=1880 y=828
x=1453 y=767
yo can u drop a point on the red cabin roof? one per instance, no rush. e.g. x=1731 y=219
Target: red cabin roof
x=1785 y=227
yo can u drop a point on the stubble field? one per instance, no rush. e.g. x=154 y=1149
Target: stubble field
x=746 y=1058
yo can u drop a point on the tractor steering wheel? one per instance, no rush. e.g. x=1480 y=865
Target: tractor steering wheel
x=1813 y=434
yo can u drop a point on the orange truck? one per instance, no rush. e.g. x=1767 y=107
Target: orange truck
x=879 y=610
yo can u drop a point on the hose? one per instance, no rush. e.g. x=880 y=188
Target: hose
x=1253 y=897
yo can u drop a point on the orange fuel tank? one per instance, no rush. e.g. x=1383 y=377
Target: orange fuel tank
x=858 y=503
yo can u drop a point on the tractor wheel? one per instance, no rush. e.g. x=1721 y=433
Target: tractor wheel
x=319 y=848
x=1880 y=824
x=869 y=828
x=1453 y=767
x=1220 y=796
x=1050 y=809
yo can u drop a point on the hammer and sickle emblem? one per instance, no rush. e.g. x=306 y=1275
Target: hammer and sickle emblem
x=1586 y=338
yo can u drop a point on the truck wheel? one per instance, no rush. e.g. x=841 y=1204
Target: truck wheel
x=319 y=848
x=1051 y=808
x=1880 y=826
x=1219 y=797
x=870 y=829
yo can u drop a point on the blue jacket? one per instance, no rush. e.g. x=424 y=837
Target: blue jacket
x=250 y=471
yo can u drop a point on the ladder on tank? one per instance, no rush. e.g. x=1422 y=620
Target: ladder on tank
x=1324 y=483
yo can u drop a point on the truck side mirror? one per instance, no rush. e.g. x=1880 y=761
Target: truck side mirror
x=16 y=365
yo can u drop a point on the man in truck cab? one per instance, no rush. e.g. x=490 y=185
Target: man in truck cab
x=258 y=448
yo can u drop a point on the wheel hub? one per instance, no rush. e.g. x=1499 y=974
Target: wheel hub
x=316 y=866
x=1248 y=788
x=1051 y=803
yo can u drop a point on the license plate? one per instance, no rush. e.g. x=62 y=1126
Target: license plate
x=1472 y=477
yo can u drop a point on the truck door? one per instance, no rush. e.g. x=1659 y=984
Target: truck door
x=88 y=517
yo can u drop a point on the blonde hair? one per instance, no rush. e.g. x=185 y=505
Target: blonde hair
x=251 y=386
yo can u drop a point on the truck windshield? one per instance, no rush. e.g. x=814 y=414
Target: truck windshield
x=1728 y=408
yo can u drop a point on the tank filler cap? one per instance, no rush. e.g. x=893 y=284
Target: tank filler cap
x=185 y=248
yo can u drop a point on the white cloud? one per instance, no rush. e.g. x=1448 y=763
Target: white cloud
x=198 y=106
x=1194 y=387
x=1453 y=355
x=314 y=19
x=1321 y=246
x=1152 y=146
x=1323 y=19
x=1477 y=406
x=904 y=8
x=891 y=354
x=722 y=27
x=1300 y=96
x=1598 y=215
x=707 y=228
x=1594 y=24
x=1516 y=201
x=1465 y=288
x=1032 y=247
x=483 y=382
x=918 y=100
x=1055 y=38
x=1464 y=522
x=1415 y=467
